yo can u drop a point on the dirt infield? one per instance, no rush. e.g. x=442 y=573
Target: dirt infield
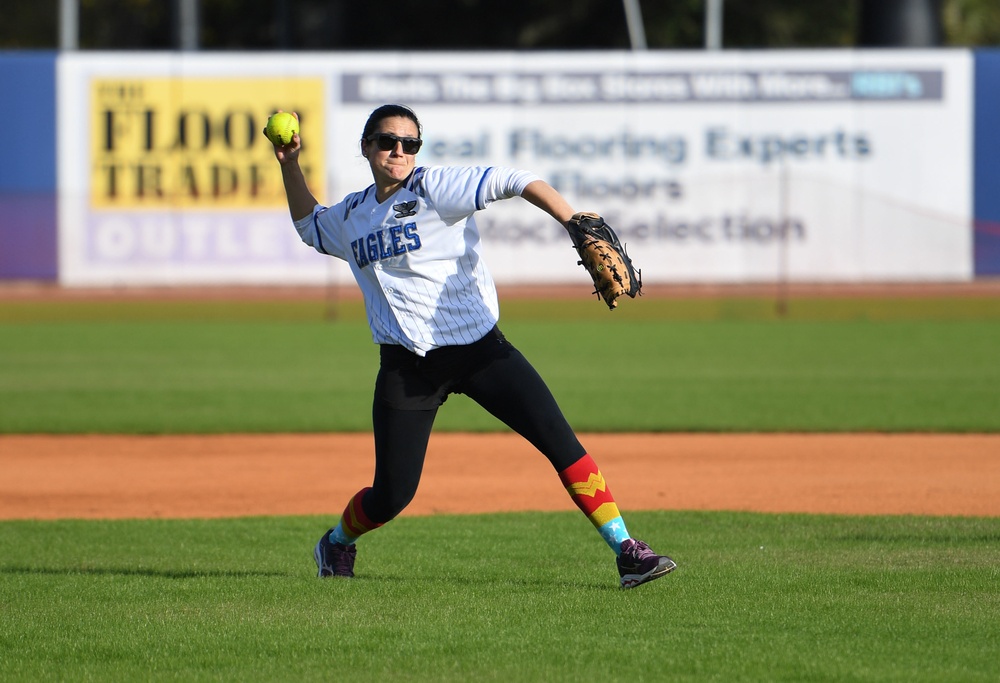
x=51 y=477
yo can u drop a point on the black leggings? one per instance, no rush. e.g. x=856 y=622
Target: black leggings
x=410 y=389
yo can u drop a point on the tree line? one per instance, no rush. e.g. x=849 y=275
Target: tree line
x=348 y=25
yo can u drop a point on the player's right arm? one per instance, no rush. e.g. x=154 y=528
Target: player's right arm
x=301 y=201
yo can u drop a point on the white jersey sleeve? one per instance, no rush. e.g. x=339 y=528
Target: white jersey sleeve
x=308 y=228
x=321 y=229
x=457 y=192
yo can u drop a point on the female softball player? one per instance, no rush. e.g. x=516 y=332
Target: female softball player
x=412 y=243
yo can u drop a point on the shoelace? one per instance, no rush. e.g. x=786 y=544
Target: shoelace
x=342 y=560
x=641 y=551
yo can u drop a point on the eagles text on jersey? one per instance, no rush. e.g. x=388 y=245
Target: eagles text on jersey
x=379 y=245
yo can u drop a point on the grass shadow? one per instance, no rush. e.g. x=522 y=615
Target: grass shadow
x=138 y=571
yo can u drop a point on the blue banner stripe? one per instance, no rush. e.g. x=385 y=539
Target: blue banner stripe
x=986 y=164
x=28 y=198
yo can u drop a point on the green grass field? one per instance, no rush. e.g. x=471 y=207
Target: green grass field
x=703 y=365
x=517 y=597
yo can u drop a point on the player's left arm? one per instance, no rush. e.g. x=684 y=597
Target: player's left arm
x=549 y=200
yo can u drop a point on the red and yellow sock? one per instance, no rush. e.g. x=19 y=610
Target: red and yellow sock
x=354 y=523
x=586 y=486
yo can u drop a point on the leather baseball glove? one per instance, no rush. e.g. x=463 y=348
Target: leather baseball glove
x=604 y=257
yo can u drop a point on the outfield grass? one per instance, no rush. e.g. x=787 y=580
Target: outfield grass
x=518 y=597
x=695 y=365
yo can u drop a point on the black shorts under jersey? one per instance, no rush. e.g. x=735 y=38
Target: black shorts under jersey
x=407 y=381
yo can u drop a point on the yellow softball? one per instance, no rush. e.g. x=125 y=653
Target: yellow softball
x=281 y=127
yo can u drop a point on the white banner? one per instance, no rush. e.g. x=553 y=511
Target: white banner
x=724 y=167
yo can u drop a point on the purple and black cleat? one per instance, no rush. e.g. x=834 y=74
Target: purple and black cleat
x=334 y=559
x=638 y=564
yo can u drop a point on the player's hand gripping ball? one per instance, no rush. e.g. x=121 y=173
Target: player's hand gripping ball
x=281 y=127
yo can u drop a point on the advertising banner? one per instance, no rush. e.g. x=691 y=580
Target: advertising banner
x=165 y=177
x=725 y=167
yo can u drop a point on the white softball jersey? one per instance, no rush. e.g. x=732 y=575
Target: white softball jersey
x=417 y=256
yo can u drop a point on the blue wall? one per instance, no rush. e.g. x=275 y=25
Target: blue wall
x=986 y=164
x=28 y=238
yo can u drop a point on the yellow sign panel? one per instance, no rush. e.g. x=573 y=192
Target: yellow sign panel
x=186 y=143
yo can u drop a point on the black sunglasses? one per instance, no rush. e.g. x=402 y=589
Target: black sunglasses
x=387 y=142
